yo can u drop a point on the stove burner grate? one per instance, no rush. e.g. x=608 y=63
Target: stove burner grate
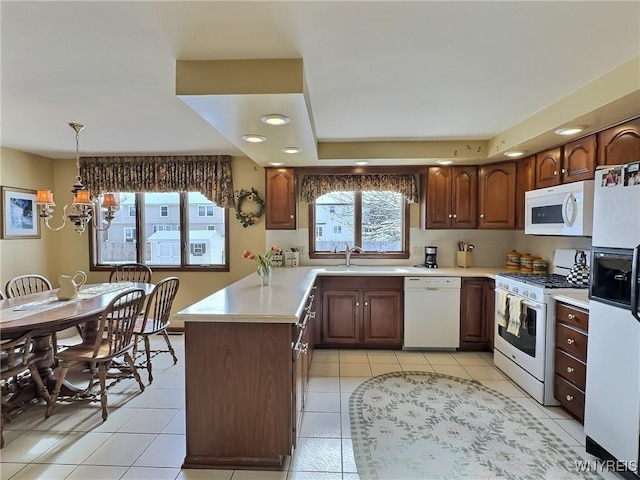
x=549 y=280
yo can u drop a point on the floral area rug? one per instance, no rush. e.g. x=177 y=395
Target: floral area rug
x=420 y=425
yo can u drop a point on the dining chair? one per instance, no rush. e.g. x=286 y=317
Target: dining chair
x=116 y=326
x=131 y=272
x=2 y=297
x=16 y=358
x=26 y=284
x=156 y=320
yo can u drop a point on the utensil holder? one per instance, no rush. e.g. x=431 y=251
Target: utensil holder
x=464 y=259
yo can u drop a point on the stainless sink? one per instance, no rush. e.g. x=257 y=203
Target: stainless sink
x=360 y=268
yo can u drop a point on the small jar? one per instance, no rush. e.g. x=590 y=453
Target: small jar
x=513 y=260
x=526 y=263
x=540 y=266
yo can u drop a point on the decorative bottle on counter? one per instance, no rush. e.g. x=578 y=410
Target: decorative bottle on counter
x=513 y=260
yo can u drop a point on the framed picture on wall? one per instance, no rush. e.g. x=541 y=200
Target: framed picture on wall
x=19 y=213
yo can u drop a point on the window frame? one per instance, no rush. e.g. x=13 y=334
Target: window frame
x=184 y=244
x=405 y=253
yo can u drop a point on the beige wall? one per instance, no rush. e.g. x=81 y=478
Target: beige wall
x=65 y=251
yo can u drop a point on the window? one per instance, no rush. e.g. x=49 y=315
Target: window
x=376 y=221
x=205 y=210
x=166 y=231
x=129 y=235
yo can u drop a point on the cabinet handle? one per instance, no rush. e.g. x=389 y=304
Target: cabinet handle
x=564 y=170
x=482 y=215
x=450 y=215
x=291 y=216
x=571 y=316
x=366 y=303
x=357 y=304
x=569 y=398
x=570 y=341
x=455 y=216
x=555 y=172
x=569 y=369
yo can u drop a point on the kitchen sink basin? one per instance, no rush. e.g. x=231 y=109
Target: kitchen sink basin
x=360 y=268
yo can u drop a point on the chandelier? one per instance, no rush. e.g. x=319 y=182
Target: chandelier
x=82 y=208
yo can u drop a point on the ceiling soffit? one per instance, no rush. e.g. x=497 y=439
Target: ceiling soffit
x=232 y=96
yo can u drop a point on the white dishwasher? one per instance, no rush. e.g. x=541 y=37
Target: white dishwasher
x=432 y=313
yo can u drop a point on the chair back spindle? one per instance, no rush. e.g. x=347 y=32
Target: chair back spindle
x=131 y=272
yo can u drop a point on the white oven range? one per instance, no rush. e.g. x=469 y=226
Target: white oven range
x=526 y=354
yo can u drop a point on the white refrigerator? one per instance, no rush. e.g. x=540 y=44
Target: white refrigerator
x=612 y=397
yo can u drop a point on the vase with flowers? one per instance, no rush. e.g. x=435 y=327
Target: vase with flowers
x=265 y=263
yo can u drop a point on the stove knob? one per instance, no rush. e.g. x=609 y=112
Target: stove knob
x=525 y=293
x=515 y=289
x=532 y=295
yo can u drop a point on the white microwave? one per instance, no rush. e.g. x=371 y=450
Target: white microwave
x=562 y=210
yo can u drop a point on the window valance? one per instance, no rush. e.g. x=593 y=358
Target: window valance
x=207 y=174
x=313 y=186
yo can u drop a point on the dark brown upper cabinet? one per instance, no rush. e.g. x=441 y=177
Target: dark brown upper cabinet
x=451 y=197
x=497 y=195
x=281 y=205
x=619 y=144
x=579 y=161
x=525 y=181
x=549 y=168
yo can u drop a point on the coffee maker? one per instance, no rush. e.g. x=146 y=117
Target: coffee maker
x=430 y=254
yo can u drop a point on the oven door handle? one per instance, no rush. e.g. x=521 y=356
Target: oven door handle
x=635 y=272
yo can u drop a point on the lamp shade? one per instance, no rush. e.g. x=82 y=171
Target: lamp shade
x=109 y=201
x=44 y=196
x=82 y=197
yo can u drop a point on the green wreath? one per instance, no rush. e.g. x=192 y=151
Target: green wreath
x=249 y=218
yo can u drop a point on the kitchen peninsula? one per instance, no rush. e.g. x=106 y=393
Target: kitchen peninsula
x=244 y=351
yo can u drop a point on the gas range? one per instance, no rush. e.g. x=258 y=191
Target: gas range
x=547 y=280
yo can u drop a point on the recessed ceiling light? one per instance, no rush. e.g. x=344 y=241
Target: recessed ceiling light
x=253 y=138
x=275 y=119
x=514 y=153
x=276 y=164
x=291 y=150
x=444 y=162
x=569 y=130
x=362 y=163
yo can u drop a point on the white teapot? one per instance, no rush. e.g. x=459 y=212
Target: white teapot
x=69 y=285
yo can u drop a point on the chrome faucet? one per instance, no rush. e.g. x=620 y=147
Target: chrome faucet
x=348 y=251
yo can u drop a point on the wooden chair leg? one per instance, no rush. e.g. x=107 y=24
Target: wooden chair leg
x=170 y=347
x=42 y=391
x=134 y=370
x=64 y=368
x=102 y=373
x=147 y=349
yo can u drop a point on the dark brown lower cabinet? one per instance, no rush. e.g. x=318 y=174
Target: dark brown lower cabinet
x=477 y=313
x=362 y=311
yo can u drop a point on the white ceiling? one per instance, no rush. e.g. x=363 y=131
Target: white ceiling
x=401 y=71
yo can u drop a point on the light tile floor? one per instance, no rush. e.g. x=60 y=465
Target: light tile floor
x=144 y=436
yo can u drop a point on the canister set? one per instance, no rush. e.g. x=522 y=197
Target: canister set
x=526 y=263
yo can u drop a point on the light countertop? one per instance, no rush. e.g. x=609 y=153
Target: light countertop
x=283 y=300
x=577 y=299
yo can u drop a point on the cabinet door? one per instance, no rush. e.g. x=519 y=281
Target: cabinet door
x=489 y=310
x=382 y=317
x=464 y=197
x=525 y=181
x=439 y=212
x=280 y=199
x=548 y=167
x=341 y=312
x=620 y=144
x=579 y=161
x=472 y=330
x=497 y=195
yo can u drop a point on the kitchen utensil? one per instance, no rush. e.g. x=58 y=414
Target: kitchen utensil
x=579 y=273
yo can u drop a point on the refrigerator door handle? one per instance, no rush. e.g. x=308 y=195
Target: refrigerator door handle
x=569 y=215
x=635 y=272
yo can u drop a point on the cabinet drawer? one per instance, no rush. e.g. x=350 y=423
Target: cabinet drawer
x=573 y=316
x=569 y=396
x=571 y=369
x=571 y=341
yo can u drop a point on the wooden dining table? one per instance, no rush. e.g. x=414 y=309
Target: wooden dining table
x=42 y=314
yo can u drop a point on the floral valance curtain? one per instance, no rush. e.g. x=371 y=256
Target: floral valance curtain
x=313 y=186
x=207 y=174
